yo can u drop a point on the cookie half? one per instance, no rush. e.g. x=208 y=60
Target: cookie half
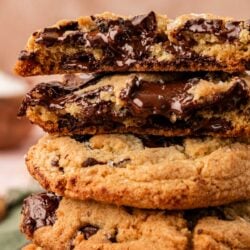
x=150 y=42
x=169 y=104
x=90 y=225
x=144 y=172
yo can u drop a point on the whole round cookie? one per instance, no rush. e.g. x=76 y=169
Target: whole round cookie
x=144 y=172
x=53 y=222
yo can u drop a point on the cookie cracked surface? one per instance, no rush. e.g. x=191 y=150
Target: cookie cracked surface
x=151 y=42
x=145 y=172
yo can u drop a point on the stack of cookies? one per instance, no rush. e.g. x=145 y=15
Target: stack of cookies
x=149 y=151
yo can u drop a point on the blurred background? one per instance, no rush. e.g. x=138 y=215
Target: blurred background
x=18 y=19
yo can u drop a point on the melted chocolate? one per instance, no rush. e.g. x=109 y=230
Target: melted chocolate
x=39 y=210
x=147 y=98
x=119 y=164
x=25 y=55
x=228 y=31
x=88 y=231
x=113 y=237
x=158 y=105
x=91 y=162
x=155 y=98
x=123 y=42
x=153 y=141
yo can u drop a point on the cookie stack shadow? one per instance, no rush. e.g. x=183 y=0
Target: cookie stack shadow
x=150 y=149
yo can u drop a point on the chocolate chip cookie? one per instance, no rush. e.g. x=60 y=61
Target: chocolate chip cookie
x=169 y=104
x=91 y=225
x=144 y=172
x=150 y=42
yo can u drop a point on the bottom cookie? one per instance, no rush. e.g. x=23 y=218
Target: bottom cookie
x=31 y=246
x=53 y=222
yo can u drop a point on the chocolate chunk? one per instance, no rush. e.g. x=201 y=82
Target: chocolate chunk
x=39 y=210
x=55 y=162
x=145 y=22
x=25 y=55
x=91 y=162
x=230 y=31
x=212 y=125
x=73 y=25
x=50 y=36
x=129 y=210
x=147 y=98
x=153 y=141
x=88 y=231
x=81 y=138
x=61 y=169
x=119 y=164
x=112 y=237
x=67 y=121
x=202 y=25
x=165 y=99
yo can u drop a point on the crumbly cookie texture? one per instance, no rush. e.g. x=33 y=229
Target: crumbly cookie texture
x=32 y=246
x=90 y=225
x=145 y=172
x=150 y=42
x=169 y=104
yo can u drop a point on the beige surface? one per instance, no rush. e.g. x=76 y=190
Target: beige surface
x=18 y=19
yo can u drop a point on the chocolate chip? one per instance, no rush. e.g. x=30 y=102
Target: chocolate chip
x=129 y=210
x=81 y=138
x=91 y=162
x=39 y=210
x=71 y=25
x=61 y=169
x=152 y=141
x=146 y=22
x=112 y=237
x=55 y=162
x=119 y=164
x=25 y=55
x=230 y=31
x=88 y=231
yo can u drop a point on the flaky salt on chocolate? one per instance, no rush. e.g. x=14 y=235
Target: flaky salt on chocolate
x=152 y=42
